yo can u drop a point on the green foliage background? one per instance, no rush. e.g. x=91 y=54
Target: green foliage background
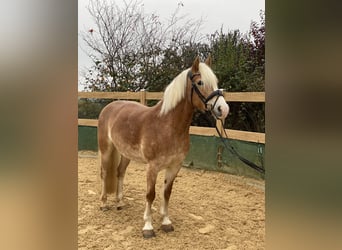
x=238 y=62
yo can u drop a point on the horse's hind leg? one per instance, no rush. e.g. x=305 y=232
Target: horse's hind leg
x=105 y=161
x=121 y=175
x=109 y=162
x=170 y=175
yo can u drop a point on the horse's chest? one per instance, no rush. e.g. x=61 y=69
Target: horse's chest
x=167 y=150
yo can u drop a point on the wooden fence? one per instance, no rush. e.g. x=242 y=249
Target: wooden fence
x=143 y=96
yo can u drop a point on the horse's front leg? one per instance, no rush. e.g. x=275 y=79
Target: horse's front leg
x=151 y=177
x=170 y=175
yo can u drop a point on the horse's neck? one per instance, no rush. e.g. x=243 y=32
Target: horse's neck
x=181 y=115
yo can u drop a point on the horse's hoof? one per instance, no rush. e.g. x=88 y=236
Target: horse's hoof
x=148 y=234
x=167 y=228
x=104 y=208
x=120 y=206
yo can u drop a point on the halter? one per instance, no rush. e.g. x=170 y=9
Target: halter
x=204 y=100
x=219 y=93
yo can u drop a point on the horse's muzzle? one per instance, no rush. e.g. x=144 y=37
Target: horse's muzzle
x=221 y=108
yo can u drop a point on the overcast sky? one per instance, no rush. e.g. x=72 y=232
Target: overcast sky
x=231 y=14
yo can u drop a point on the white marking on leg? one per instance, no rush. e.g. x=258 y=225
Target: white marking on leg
x=163 y=209
x=170 y=174
x=164 y=212
x=119 y=193
x=166 y=220
x=148 y=225
x=148 y=217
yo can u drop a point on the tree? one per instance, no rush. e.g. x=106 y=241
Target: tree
x=129 y=47
x=257 y=31
x=133 y=50
x=239 y=63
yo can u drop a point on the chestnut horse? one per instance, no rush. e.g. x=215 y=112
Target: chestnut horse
x=158 y=136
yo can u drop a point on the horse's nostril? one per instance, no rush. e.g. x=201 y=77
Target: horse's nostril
x=219 y=108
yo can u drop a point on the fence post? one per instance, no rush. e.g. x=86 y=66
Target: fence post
x=143 y=97
x=219 y=127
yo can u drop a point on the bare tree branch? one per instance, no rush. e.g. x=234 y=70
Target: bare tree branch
x=131 y=45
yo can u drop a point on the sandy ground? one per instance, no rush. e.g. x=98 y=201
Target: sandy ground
x=209 y=210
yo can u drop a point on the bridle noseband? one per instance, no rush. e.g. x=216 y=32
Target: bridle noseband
x=204 y=99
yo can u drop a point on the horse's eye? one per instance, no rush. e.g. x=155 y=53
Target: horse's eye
x=200 y=83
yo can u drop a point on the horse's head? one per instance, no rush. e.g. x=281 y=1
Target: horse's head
x=205 y=95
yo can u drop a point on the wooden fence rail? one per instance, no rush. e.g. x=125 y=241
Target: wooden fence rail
x=143 y=96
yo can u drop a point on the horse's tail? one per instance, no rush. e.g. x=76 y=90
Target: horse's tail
x=109 y=169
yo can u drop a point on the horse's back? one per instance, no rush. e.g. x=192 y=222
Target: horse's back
x=120 y=124
x=120 y=110
x=114 y=107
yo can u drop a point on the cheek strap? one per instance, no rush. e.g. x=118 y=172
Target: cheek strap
x=204 y=99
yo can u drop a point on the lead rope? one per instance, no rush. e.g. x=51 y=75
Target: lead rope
x=234 y=152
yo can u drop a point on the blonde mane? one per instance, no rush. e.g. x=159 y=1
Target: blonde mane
x=175 y=91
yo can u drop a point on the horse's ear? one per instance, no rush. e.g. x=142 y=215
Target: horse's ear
x=195 y=64
x=208 y=61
